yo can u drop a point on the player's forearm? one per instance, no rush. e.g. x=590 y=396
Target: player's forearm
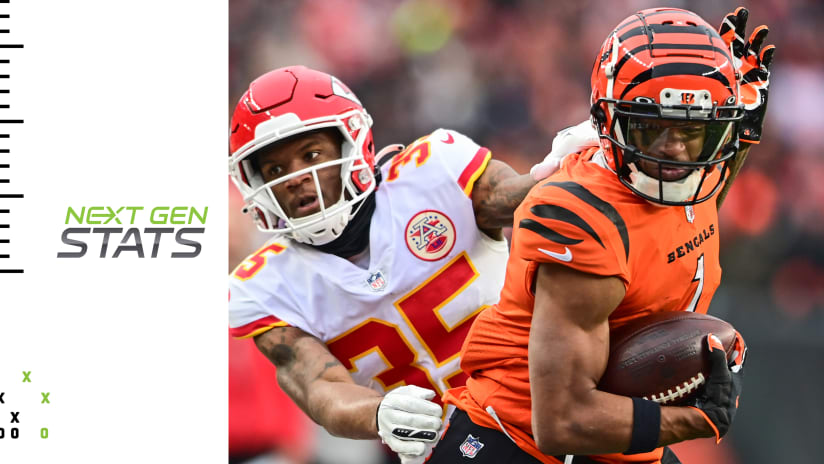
x=498 y=209
x=593 y=423
x=605 y=425
x=345 y=410
x=735 y=168
x=682 y=423
x=319 y=384
x=569 y=414
x=497 y=193
x=740 y=156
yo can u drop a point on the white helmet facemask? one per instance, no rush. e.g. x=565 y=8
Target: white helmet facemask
x=327 y=224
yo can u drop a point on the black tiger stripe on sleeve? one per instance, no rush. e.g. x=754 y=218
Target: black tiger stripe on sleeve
x=562 y=214
x=546 y=232
x=603 y=207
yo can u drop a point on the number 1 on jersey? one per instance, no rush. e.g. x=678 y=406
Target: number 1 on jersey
x=699 y=277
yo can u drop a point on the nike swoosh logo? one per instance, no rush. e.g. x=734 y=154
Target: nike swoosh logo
x=565 y=257
x=449 y=139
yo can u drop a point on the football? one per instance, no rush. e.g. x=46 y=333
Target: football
x=663 y=357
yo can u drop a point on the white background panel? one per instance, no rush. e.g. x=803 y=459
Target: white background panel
x=125 y=105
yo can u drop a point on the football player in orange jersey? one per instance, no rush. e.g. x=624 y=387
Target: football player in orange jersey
x=619 y=232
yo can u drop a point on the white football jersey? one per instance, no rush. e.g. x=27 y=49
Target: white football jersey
x=431 y=271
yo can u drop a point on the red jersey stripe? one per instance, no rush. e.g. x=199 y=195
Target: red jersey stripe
x=474 y=170
x=257 y=327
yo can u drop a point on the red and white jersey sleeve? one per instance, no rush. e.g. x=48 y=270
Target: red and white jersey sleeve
x=458 y=157
x=250 y=296
x=403 y=318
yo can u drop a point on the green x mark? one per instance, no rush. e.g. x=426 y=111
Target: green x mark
x=26 y=375
x=45 y=398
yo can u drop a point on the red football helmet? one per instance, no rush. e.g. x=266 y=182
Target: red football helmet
x=287 y=102
x=663 y=77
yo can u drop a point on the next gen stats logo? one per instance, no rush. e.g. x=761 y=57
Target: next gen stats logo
x=174 y=231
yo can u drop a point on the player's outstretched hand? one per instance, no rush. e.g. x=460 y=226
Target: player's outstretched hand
x=752 y=62
x=408 y=420
x=570 y=140
x=718 y=402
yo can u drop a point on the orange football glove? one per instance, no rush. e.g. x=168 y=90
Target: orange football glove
x=752 y=64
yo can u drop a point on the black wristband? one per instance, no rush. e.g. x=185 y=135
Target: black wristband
x=646 y=426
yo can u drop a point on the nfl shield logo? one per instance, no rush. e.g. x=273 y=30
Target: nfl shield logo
x=471 y=446
x=690 y=213
x=376 y=281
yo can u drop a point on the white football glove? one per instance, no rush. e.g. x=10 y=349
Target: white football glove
x=570 y=140
x=408 y=421
x=412 y=459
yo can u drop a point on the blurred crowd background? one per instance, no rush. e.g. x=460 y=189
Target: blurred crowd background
x=510 y=74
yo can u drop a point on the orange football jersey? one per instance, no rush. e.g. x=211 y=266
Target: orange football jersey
x=584 y=218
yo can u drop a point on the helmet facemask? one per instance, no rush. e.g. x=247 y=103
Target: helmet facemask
x=641 y=130
x=357 y=179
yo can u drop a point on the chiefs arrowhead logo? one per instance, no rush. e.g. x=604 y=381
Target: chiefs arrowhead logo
x=430 y=235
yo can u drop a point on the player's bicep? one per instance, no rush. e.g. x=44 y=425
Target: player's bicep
x=301 y=361
x=569 y=338
x=496 y=194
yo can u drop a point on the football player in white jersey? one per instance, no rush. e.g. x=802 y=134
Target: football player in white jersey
x=375 y=273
